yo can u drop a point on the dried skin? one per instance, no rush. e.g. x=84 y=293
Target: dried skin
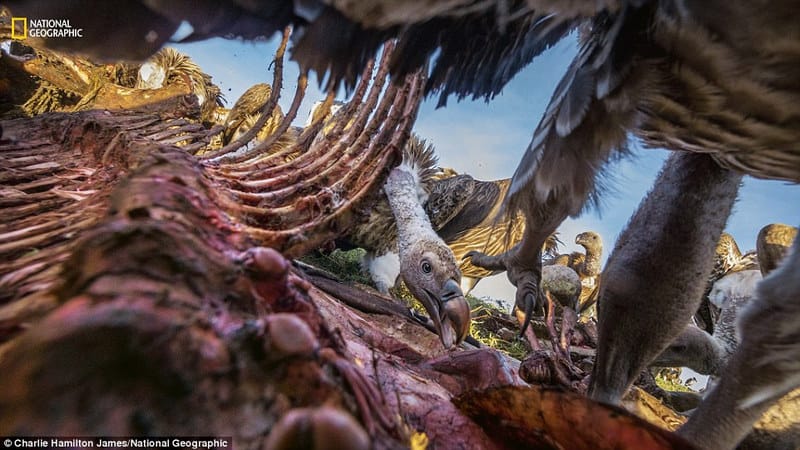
x=536 y=417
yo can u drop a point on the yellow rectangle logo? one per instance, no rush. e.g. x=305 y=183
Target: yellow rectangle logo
x=19 y=20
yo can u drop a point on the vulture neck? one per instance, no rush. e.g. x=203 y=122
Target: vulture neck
x=712 y=362
x=591 y=266
x=406 y=196
x=678 y=226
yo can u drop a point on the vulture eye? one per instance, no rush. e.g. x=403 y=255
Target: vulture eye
x=426 y=267
x=679 y=348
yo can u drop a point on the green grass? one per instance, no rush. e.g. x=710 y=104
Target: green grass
x=344 y=264
x=669 y=380
x=487 y=321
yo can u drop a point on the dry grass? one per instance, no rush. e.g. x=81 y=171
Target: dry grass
x=669 y=380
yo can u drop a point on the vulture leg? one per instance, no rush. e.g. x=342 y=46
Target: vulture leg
x=523 y=263
x=550 y=323
x=560 y=340
x=569 y=318
x=529 y=335
x=765 y=366
x=555 y=367
x=651 y=285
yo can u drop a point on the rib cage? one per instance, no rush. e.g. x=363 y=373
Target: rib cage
x=61 y=171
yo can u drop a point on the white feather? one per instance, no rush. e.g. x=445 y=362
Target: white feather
x=151 y=76
x=334 y=109
x=383 y=270
x=735 y=285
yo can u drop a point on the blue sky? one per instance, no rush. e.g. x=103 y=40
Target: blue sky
x=487 y=140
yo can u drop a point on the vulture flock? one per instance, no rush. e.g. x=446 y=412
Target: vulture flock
x=716 y=81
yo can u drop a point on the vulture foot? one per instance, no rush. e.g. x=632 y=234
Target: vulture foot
x=544 y=367
x=525 y=276
x=560 y=341
x=554 y=367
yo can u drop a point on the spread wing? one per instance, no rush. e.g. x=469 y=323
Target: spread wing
x=461 y=202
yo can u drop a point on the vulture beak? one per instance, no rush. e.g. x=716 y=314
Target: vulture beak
x=450 y=313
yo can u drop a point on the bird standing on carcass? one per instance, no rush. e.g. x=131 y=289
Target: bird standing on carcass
x=402 y=244
x=246 y=112
x=772 y=245
x=639 y=69
x=464 y=211
x=727 y=259
x=586 y=265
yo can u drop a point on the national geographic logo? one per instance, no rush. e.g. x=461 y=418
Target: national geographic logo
x=22 y=27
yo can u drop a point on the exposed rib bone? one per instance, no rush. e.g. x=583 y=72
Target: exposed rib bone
x=266 y=110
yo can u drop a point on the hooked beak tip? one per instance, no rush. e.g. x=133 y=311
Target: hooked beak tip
x=455 y=316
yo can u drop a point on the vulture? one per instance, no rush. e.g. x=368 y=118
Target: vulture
x=746 y=343
x=402 y=244
x=715 y=81
x=562 y=284
x=86 y=83
x=246 y=112
x=170 y=66
x=460 y=208
x=727 y=259
x=772 y=243
x=779 y=426
x=707 y=353
x=586 y=265
x=336 y=106
x=464 y=210
x=378 y=234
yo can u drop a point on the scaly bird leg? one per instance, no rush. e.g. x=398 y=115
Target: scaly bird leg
x=560 y=341
x=550 y=321
x=568 y=320
x=524 y=270
x=523 y=263
x=528 y=333
x=644 y=305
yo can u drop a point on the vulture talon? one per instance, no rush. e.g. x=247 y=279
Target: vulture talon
x=489 y=262
x=529 y=302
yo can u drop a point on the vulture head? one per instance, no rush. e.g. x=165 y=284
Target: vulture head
x=427 y=265
x=590 y=240
x=695 y=349
x=431 y=274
